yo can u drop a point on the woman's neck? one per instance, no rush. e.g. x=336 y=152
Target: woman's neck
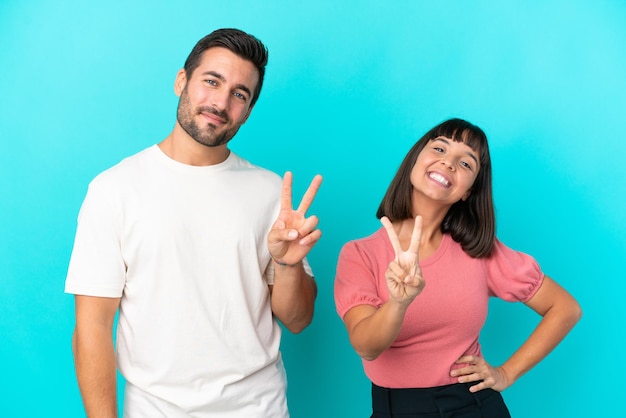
x=432 y=215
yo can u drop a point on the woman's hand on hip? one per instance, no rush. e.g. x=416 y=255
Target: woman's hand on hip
x=476 y=369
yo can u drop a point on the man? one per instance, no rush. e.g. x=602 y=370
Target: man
x=180 y=239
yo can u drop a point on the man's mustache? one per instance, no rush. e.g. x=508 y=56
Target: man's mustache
x=219 y=113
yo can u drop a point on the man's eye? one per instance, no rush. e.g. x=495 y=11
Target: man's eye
x=241 y=96
x=211 y=82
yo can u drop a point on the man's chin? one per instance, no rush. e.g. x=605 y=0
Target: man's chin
x=212 y=143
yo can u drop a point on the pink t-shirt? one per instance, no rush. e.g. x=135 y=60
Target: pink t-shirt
x=443 y=323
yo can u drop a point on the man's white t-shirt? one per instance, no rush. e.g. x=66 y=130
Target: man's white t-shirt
x=185 y=248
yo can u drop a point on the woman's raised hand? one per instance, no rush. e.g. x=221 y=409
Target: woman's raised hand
x=404 y=275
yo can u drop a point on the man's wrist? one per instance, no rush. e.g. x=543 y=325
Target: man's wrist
x=283 y=264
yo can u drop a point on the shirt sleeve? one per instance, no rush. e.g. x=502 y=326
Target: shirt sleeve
x=356 y=279
x=513 y=276
x=96 y=266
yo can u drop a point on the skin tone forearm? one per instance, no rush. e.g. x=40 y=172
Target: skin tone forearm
x=560 y=312
x=291 y=238
x=293 y=297
x=94 y=355
x=372 y=330
x=556 y=323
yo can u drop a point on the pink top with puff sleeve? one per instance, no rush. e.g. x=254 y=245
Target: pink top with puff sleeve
x=443 y=323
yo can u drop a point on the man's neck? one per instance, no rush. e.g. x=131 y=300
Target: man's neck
x=179 y=146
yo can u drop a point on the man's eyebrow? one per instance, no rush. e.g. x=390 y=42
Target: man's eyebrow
x=446 y=141
x=222 y=78
x=214 y=74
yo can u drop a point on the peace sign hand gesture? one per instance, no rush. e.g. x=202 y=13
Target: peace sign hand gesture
x=293 y=235
x=404 y=275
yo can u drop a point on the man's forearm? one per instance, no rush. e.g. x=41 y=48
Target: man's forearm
x=94 y=359
x=293 y=297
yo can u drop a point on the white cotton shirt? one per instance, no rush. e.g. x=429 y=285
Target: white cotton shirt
x=185 y=248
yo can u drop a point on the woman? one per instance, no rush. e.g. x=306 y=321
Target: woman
x=414 y=294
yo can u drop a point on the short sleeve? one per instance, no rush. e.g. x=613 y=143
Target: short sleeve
x=356 y=279
x=96 y=266
x=513 y=276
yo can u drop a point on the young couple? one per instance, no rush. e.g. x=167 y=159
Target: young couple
x=201 y=253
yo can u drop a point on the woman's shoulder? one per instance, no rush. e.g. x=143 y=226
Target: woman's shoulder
x=375 y=240
x=370 y=247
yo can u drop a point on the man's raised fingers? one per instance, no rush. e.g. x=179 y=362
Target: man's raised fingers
x=308 y=197
x=285 y=193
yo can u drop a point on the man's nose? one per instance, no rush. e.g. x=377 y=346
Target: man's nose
x=220 y=99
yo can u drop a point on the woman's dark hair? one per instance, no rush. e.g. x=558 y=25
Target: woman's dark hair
x=238 y=42
x=471 y=222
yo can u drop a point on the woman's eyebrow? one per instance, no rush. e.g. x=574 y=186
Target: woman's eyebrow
x=447 y=142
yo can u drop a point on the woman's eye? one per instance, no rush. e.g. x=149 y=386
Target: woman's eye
x=466 y=165
x=438 y=149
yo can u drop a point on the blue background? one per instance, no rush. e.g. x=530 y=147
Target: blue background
x=350 y=86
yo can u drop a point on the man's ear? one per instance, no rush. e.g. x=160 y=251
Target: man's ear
x=180 y=82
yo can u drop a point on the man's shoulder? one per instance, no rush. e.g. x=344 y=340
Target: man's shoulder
x=124 y=170
x=255 y=171
x=132 y=161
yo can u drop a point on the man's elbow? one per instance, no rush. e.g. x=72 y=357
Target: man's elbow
x=297 y=325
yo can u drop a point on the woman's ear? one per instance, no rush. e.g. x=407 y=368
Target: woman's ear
x=466 y=195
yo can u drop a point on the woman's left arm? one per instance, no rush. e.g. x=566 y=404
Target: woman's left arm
x=560 y=312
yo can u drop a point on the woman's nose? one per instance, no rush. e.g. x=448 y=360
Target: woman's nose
x=447 y=163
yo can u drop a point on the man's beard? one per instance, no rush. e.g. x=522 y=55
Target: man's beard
x=206 y=136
